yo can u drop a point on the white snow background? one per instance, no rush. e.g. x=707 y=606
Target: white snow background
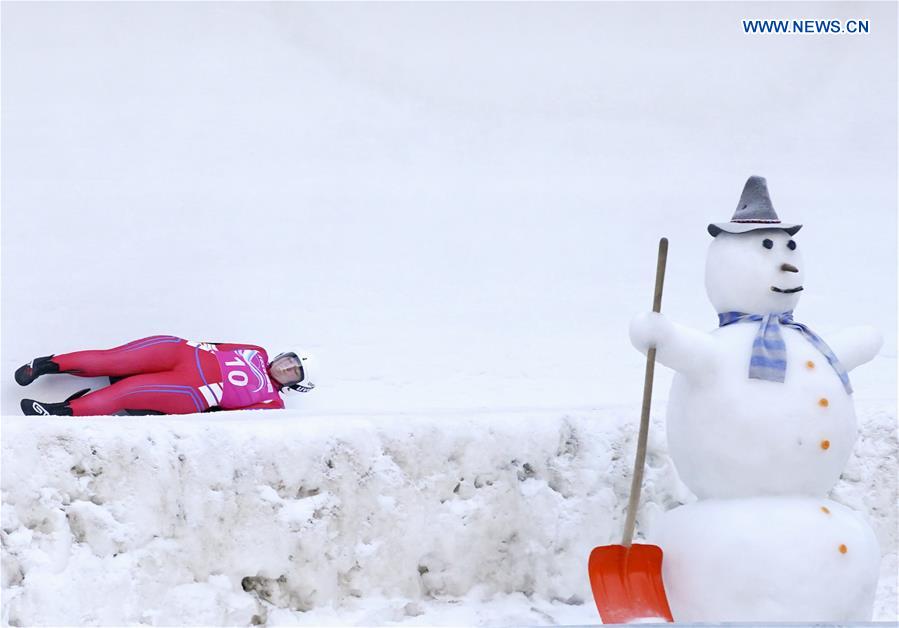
x=456 y=208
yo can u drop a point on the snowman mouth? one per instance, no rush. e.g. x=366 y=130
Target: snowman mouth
x=787 y=291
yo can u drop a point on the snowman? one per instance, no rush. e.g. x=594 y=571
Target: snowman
x=760 y=425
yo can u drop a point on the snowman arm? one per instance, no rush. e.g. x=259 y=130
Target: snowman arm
x=855 y=346
x=687 y=351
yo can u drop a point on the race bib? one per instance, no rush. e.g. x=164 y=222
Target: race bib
x=245 y=380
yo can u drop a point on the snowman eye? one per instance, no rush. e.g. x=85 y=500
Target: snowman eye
x=767 y=243
x=791 y=245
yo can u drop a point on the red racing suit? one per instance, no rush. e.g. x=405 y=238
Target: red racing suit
x=174 y=376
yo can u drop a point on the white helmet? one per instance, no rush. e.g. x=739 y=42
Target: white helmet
x=293 y=371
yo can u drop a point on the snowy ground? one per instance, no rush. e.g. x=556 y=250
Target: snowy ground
x=484 y=519
x=456 y=207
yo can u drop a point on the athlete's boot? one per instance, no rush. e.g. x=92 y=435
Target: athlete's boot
x=34 y=369
x=30 y=407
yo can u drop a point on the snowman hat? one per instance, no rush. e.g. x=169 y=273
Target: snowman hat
x=754 y=211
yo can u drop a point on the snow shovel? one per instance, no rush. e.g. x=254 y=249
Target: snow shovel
x=627 y=579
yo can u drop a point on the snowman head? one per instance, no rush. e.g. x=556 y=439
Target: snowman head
x=755 y=272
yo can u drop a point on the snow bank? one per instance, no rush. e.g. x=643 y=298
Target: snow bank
x=290 y=519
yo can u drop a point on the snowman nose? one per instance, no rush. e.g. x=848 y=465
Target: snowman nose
x=789 y=268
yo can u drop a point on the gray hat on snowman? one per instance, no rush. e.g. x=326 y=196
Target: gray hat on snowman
x=754 y=211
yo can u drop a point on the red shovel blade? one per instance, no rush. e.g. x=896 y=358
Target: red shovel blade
x=627 y=583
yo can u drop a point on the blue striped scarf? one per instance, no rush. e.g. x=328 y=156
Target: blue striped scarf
x=769 y=353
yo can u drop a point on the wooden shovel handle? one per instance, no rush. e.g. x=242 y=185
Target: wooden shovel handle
x=640 y=462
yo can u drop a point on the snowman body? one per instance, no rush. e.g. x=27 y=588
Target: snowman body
x=763 y=543
x=732 y=436
x=768 y=559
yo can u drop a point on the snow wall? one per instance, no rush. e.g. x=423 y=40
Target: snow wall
x=274 y=520
x=456 y=207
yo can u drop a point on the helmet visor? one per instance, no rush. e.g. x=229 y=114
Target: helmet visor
x=287 y=369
